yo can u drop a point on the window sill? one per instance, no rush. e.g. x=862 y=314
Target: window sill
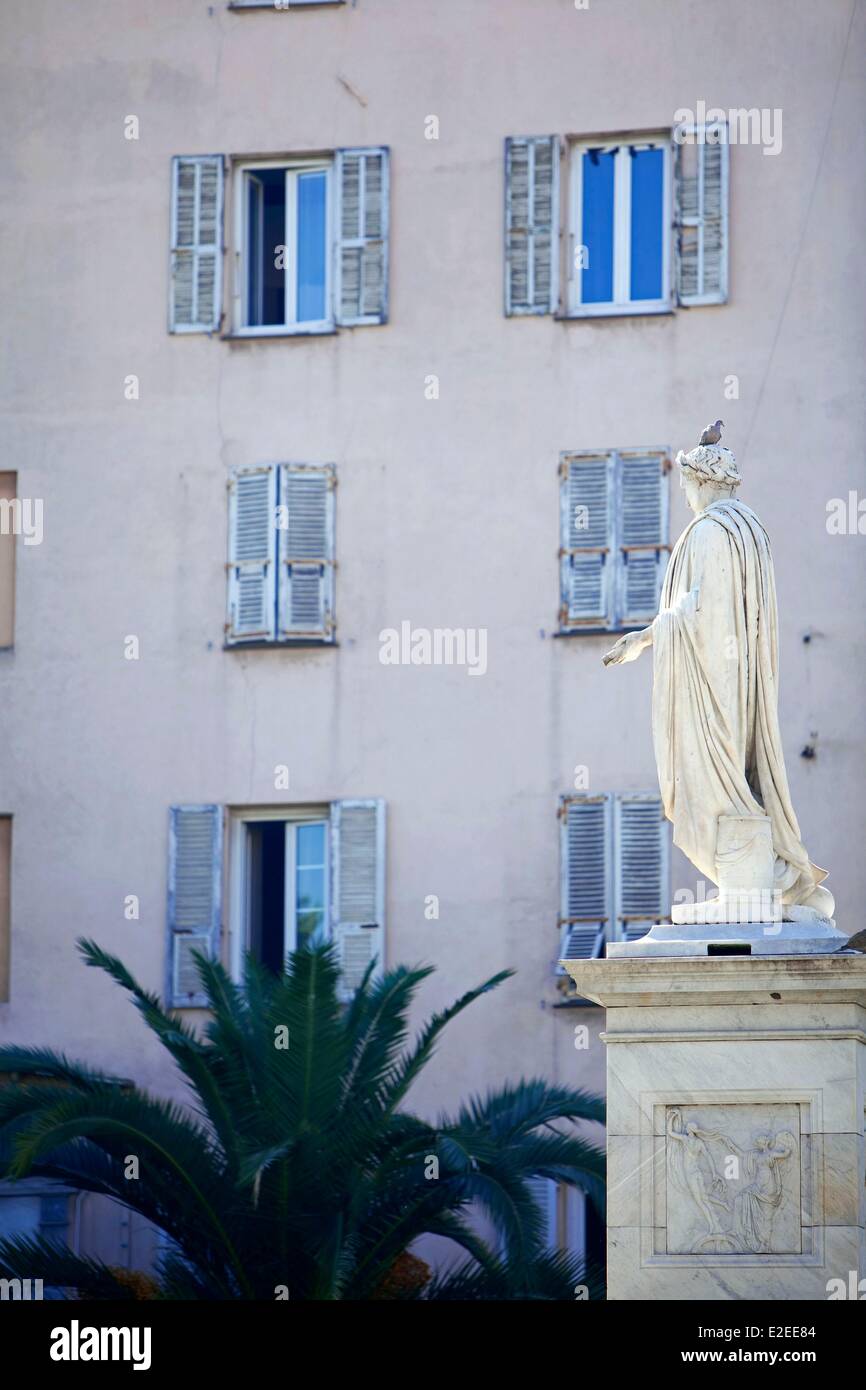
x=600 y=631
x=619 y=311
x=251 y=336
x=237 y=8
x=258 y=644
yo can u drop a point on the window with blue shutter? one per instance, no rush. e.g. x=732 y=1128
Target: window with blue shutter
x=362 y=235
x=646 y=221
x=614 y=857
x=702 y=155
x=358 y=889
x=531 y=224
x=641 y=864
x=281 y=554
x=306 y=550
x=613 y=538
x=195 y=304
x=586 y=868
x=194 y=898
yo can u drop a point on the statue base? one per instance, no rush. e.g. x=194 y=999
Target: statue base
x=735 y=1091
x=726 y=937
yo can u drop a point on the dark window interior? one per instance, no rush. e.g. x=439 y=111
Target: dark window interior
x=595 y=1235
x=266 y=191
x=267 y=850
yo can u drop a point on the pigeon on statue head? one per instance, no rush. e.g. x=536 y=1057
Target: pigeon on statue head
x=712 y=434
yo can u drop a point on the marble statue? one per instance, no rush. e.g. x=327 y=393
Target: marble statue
x=715 y=703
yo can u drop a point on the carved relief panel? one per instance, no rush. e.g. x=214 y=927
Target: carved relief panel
x=732 y=1177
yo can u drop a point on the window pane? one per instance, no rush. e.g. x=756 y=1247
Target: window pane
x=266 y=236
x=311 y=844
x=311 y=247
x=311 y=888
x=597 y=232
x=255 y=209
x=311 y=925
x=310 y=885
x=647 y=191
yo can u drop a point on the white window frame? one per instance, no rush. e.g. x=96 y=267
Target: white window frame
x=293 y=167
x=239 y=872
x=290 y=908
x=621 y=303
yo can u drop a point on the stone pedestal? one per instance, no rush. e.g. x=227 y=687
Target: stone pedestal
x=736 y=1088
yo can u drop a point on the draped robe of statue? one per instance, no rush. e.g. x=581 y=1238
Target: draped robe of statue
x=715 y=694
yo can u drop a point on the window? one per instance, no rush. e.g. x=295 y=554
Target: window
x=281 y=554
x=35 y=1207
x=283 y=235
x=614 y=852
x=613 y=538
x=623 y=193
x=310 y=243
x=570 y=1223
x=286 y=886
x=8 y=514
x=5 y=905
x=619 y=224
x=295 y=874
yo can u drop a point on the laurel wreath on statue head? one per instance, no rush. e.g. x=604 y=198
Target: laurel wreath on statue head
x=711 y=463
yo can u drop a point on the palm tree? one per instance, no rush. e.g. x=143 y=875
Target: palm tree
x=296 y=1170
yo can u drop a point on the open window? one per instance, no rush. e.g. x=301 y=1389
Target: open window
x=285 y=885
x=283 y=235
x=295 y=874
x=308 y=249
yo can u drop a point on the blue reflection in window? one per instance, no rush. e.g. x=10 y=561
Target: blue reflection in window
x=310 y=870
x=647 y=225
x=311 y=247
x=597 y=276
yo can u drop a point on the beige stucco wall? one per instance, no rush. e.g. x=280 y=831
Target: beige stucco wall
x=447 y=509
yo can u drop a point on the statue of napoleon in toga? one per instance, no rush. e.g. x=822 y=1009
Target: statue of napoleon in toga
x=715 y=689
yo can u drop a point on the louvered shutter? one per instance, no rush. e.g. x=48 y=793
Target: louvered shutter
x=194 y=898
x=362 y=236
x=195 y=303
x=586 y=497
x=531 y=224
x=642 y=527
x=641 y=865
x=358 y=889
x=586 y=875
x=306 y=606
x=252 y=555
x=702 y=216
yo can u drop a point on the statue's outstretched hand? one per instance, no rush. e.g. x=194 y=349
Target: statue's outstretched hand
x=628 y=648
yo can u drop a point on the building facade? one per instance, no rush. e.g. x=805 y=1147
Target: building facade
x=348 y=347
